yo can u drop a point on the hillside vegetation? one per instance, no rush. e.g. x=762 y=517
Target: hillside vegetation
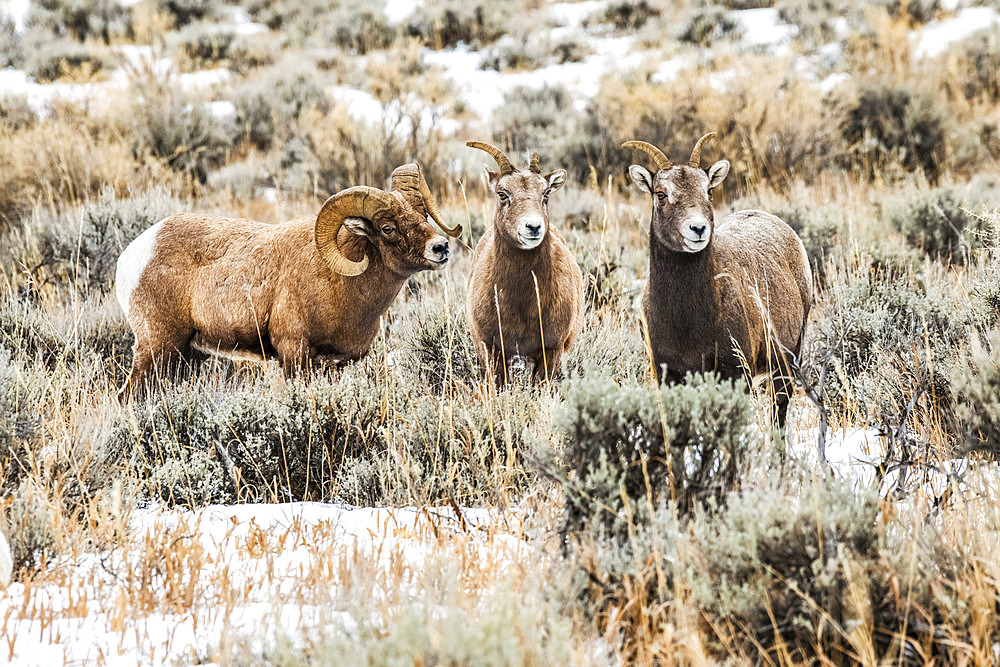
x=616 y=521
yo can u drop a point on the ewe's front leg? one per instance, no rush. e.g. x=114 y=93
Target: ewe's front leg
x=547 y=363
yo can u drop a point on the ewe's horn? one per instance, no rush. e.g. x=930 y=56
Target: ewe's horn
x=358 y=202
x=534 y=164
x=505 y=166
x=695 y=160
x=662 y=161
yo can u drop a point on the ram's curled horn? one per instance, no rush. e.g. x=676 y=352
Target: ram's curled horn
x=430 y=204
x=360 y=201
x=695 y=160
x=662 y=161
x=505 y=166
x=535 y=168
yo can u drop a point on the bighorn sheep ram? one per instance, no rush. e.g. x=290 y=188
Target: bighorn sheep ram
x=731 y=297
x=311 y=287
x=525 y=297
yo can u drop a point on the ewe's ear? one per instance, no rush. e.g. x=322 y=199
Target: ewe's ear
x=641 y=177
x=556 y=179
x=360 y=226
x=492 y=176
x=718 y=173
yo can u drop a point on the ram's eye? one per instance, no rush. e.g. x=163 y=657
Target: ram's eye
x=388 y=229
x=710 y=192
x=504 y=197
x=661 y=196
x=545 y=198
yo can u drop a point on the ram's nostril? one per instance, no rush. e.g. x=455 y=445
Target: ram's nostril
x=440 y=248
x=699 y=230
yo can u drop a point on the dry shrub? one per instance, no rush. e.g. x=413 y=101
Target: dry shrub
x=56 y=164
x=764 y=141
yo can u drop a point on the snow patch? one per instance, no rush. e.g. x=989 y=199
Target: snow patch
x=935 y=38
x=17 y=12
x=397 y=11
x=763 y=27
x=573 y=14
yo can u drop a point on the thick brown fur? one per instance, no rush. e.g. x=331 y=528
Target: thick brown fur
x=504 y=274
x=734 y=301
x=242 y=288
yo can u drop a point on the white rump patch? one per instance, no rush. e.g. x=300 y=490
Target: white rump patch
x=132 y=263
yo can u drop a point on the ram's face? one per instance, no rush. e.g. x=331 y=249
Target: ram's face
x=407 y=241
x=683 y=216
x=522 y=198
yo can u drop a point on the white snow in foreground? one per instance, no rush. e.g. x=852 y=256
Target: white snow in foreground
x=937 y=36
x=16 y=11
x=254 y=572
x=763 y=27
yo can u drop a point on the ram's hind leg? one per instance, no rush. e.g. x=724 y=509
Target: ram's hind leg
x=154 y=349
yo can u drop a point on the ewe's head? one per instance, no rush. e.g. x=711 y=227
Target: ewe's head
x=522 y=216
x=683 y=217
x=395 y=223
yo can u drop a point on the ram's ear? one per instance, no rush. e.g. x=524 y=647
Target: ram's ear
x=556 y=179
x=641 y=177
x=717 y=173
x=360 y=226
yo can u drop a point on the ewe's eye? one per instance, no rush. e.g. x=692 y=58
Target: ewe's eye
x=504 y=197
x=388 y=229
x=662 y=196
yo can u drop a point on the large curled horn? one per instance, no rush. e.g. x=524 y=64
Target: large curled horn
x=695 y=160
x=505 y=166
x=662 y=161
x=535 y=168
x=358 y=202
x=430 y=204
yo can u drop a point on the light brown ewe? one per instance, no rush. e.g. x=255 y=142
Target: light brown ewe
x=312 y=287
x=732 y=297
x=525 y=294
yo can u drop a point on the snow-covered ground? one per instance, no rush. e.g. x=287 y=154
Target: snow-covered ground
x=935 y=38
x=186 y=583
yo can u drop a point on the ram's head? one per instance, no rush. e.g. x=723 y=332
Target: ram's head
x=395 y=223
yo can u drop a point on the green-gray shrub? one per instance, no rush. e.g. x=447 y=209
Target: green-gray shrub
x=84 y=249
x=187 y=136
x=629 y=14
x=29 y=524
x=354 y=25
x=60 y=58
x=888 y=336
x=265 y=110
x=15 y=112
x=445 y=23
x=80 y=19
x=977 y=386
x=934 y=222
x=709 y=24
x=978 y=63
x=189 y=11
x=205 y=45
x=629 y=448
